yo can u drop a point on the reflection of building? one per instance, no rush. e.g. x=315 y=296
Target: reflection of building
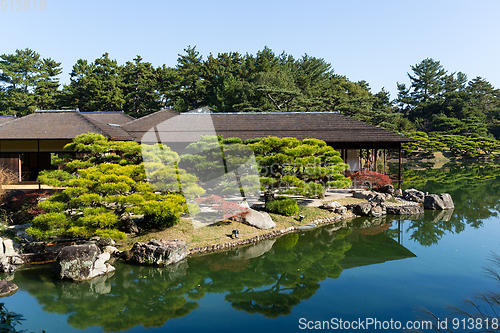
x=373 y=249
x=26 y=143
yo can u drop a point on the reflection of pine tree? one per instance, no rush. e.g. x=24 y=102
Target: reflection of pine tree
x=287 y=274
x=475 y=189
x=137 y=296
x=271 y=284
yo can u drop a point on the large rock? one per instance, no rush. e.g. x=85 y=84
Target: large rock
x=334 y=207
x=414 y=195
x=372 y=196
x=330 y=206
x=387 y=189
x=447 y=200
x=260 y=220
x=368 y=209
x=362 y=209
x=129 y=223
x=82 y=262
x=159 y=252
x=377 y=210
x=434 y=201
x=7 y=288
x=405 y=210
x=6 y=266
x=10 y=255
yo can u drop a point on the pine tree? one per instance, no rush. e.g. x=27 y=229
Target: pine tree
x=140 y=88
x=96 y=86
x=190 y=91
x=28 y=82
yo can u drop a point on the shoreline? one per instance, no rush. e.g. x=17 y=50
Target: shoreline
x=270 y=235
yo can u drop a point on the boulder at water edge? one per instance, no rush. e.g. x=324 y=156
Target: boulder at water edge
x=362 y=209
x=334 y=207
x=442 y=201
x=82 y=262
x=372 y=196
x=405 y=210
x=7 y=288
x=158 y=252
x=414 y=195
x=260 y=220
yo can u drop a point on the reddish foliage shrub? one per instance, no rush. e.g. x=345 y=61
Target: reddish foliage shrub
x=228 y=208
x=374 y=229
x=210 y=200
x=28 y=202
x=231 y=209
x=24 y=206
x=371 y=179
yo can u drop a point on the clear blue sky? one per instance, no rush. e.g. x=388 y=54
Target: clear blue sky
x=372 y=40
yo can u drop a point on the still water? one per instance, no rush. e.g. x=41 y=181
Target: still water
x=377 y=270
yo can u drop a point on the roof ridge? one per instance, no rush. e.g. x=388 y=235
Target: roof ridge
x=102 y=126
x=276 y=112
x=92 y=124
x=150 y=115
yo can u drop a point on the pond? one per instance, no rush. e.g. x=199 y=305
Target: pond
x=375 y=271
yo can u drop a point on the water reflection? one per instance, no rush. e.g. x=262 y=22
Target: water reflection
x=269 y=278
x=272 y=277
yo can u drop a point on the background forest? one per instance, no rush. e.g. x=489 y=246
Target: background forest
x=438 y=108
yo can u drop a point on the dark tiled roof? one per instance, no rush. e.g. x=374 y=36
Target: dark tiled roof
x=333 y=128
x=170 y=126
x=52 y=125
x=138 y=127
x=4 y=119
x=326 y=126
x=109 y=117
x=112 y=130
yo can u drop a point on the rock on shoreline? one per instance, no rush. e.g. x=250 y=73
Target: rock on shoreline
x=82 y=262
x=158 y=252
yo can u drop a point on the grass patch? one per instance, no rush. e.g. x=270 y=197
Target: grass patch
x=220 y=233
x=350 y=200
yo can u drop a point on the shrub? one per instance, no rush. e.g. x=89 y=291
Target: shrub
x=160 y=219
x=48 y=225
x=371 y=179
x=229 y=141
x=312 y=189
x=163 y=214
x=283 y=206
x=51 y=206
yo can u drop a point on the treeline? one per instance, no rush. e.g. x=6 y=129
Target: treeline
x=435 y=101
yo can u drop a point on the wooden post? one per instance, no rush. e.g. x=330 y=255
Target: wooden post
x=360 y=160
x=20 y=171
x=385 y=161
x=399 y=175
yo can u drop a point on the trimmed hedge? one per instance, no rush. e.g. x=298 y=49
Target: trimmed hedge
x=283 y=206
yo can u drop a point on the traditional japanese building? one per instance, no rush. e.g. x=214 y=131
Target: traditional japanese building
x=26 y=143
